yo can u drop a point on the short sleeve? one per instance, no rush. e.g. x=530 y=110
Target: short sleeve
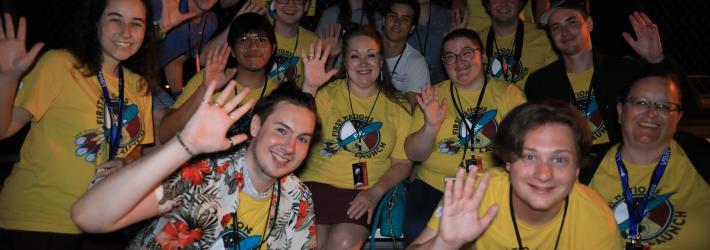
x=189 y=89
x=38 y=90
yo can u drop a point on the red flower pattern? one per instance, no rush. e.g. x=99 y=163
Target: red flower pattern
x=177 y=236
x=194 y=172
x=302 y=212
x=239 y=178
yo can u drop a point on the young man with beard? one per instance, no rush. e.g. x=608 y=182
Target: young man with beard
x=408 y=68
x=245 y=200
x=514 y=48
x=657 y=185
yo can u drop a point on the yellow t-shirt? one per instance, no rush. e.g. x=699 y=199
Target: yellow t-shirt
x=268 y=4
x=589 y=224
x=448 y=146
x=197 y=80
x=66 y=141
x=537 y=53
x=580 y=85
x=251 y=220
x=380 y=138
x=478 y=18
x=678 y=215
x=288 y=65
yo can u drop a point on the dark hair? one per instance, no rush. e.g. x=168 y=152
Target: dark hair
x=386 y=84
x=487 y=5
x=290 y=93
x=411 y=3
x=346 y=12
x=252 y=23
x=85 y=46
x=462 y=33
x=526 y=117
x=653 y=72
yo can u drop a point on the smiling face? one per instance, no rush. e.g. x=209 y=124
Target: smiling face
x=504 y=11
x=546 y=171
x=649 y=127
x=399 y=22
x=464 y=72
x=280 y=143
x=252 y=51
x=121 y=30
x=570 y=31
x=290 y=13
x=363 y=62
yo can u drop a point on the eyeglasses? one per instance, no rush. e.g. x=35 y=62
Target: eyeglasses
x=295 y=2
x=644 y=104
x=394 y=18
x=465 y=55
x=246 y=40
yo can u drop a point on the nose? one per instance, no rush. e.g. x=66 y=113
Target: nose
x=289 y=144
x=543 y=172
x=126 y=31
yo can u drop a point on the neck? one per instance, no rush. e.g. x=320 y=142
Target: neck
x=356 y=4
x=192 y=8
x=579 y=62
x=532 y=216
x=424 y=14
x=504 y=28
x=109 y=68
x=476 y=85
x=285 y=30
x=261 y=181
x=363 y=92
x=250 y=79
x=393 y=48
x=642 y=156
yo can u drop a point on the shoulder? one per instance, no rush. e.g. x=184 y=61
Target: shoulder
x=413 y=54
x=58 y=58
x=533 y=33
x=589 y=200
x=307 y=34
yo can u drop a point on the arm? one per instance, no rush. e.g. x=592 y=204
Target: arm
x=459 y=222
x=170 y=16
x=214 y=71
x=315 y=74
x=366 y=201
x=15 y=60
x=126 y=197
x=418 y=145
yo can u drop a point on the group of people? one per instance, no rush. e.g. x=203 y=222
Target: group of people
x=513 y=136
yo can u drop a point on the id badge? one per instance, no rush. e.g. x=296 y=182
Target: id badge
x=474 y=162
x=636 y=246
x=360 y=174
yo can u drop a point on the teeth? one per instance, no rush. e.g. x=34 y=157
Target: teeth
x=646 y=124
x=279 y=158
x=121 y=44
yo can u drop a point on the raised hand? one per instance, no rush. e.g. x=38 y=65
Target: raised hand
x=459 y=19
x=460 y=222
x=314 y=64
x=331 y=37
x=648 y=41
x=434 y=109
x=251 y=7
x=365 y=202
x=171 y=16
x=215 y=68
x=15 y=59
x=205 y=131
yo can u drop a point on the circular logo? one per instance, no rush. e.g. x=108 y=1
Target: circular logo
x=659 y=217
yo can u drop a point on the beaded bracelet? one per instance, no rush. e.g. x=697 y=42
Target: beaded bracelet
x=184 y=146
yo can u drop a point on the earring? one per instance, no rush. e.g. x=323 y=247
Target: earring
x=382 y=77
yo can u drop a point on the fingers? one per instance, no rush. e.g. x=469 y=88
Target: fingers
x=331 y=73
x=22 y=29
x=319 y=50
x=237 y=113
x=224 y=94
x=208 y=92
x=231 y=72
x=491 y=212
x=458 y=184
x=630 y=40
x=468 y=184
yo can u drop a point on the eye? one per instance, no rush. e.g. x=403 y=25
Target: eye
x=372 y=55
x=665 y=107
x=304 y=140
x=554 y=28
x=640 y=102
x=528 y=157
x=261 y=40
x=281 y=131
x=115 y=20
x=392 y=15
x=354 y=56
x=560 y=160
x=137 y=24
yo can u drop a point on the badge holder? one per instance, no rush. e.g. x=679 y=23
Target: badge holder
x=635 y=244
x=360 y=174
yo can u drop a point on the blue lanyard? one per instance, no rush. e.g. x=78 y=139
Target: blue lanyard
x=114 y=114
x=638 y=210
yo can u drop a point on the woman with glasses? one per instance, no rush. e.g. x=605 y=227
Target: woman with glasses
x=455 y=126
x=253 y=44
x=361 y=154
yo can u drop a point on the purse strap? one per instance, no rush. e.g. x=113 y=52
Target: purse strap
x=376 y=222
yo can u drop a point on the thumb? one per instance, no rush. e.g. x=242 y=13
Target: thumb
x=231 y=72
x=628 y=38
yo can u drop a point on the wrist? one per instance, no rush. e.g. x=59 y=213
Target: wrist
x=184 y=146
x=656 y=59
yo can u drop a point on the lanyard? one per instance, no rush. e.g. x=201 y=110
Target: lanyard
x=426 y=37
x=583 y=104
x=367 y=120
x=287 y=62
x=115 y=114
x=401 y=54
x=199 y=44
x=637 y=210
x=515 y=223
x=459 y=109
x=269 y=221
x=266 y=83
x=517 y=47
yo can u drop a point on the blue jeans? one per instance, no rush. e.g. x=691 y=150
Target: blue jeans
x=422 y=200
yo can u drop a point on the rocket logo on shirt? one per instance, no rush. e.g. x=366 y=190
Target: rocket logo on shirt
x=356 y=134
x=661 y=223
x=504 y=67
x=89 y=143
x=284 y=69
x=590 y=113
x=240 y=238
x=483 y=133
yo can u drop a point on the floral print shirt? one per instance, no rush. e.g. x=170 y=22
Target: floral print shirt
x=202 y=197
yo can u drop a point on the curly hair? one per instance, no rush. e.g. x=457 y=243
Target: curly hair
x=85 y=46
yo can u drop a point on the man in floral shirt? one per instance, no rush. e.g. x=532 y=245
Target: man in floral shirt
x=247 y=199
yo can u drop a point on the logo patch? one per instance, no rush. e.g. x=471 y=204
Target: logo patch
x=483 y=132
x=356 y=135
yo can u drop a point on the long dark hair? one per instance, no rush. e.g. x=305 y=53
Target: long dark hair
x=346 y=12
x=84 y=44
x=386 y=84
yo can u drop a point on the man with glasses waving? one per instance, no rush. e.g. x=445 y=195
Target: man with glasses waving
x=657 y=185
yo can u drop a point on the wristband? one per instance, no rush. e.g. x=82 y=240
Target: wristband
x=192 y=155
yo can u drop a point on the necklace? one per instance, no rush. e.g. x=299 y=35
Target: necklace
x=515 y=223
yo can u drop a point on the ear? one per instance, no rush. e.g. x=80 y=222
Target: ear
x=590 y=23
x=619 y=110
x=507 y=166
x=414 y=27
x=254 y=126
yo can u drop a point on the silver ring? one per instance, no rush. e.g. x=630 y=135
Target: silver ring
x=206 y=100
x=231 y=143
x=310 y=57
x=232 y=117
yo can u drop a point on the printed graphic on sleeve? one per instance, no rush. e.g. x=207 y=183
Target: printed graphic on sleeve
x=483 y=132
x=285 y=66
x=661 y=220
x=591 y=113
x=356 y=135
x=504 y=67
x=89 y=143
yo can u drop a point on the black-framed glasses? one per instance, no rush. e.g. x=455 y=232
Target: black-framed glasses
x=296 y=2
x=246 y=40
x=465 y=55
x=644 y=104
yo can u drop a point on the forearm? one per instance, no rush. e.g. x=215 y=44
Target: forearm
x=8 y=88
x=419 y=145
x=176 y=119
x=105 y=207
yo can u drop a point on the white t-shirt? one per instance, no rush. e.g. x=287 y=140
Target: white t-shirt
x=412 y=72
